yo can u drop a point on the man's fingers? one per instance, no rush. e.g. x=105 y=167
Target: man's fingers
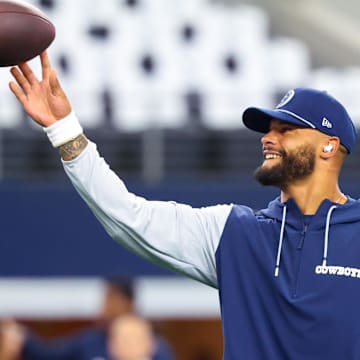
x=54 y=83
x=28 y=74
x=20 y=79
x=17 y=92
x=45 y=64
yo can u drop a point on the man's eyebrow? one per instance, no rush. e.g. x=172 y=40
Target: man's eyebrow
x=287 y=124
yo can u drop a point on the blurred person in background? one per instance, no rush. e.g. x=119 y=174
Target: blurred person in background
x=11 y=340
x=131 y=338
x=17 y=342
x=288 y=275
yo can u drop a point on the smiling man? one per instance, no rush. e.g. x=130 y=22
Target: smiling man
x=302 y=148
x=288 y=276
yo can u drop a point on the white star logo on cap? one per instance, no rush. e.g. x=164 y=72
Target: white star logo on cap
x=288 y=96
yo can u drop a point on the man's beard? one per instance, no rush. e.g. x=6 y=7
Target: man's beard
x=292 y=166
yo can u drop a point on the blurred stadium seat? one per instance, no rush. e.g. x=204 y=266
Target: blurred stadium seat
x=343 y=83
x=129 y=66
x=150 y=55
x=288 y=63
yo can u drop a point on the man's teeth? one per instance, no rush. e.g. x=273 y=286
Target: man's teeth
x=272 y=156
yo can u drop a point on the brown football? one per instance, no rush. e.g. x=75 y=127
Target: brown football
x=25 y=31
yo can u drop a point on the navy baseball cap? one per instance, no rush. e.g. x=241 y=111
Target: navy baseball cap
x=310 y=108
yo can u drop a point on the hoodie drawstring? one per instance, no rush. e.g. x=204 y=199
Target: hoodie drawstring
x=326 y=238
x=280 y=242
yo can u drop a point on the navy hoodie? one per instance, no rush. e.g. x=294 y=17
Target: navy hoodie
x=310 y=310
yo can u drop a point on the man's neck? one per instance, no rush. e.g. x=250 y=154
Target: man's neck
x=308 y=197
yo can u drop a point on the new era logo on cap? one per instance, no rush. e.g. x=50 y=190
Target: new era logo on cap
x=310 y=108
x=326 y=123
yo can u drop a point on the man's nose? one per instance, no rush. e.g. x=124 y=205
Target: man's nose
x=270 y=138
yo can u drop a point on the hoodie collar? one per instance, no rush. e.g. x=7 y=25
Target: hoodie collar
x=295 y=218
x=322 y=219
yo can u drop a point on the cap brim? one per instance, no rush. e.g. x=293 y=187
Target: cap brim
x=259 y=119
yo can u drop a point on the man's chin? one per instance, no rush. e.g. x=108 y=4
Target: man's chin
x=291 y=167
x=269 y=175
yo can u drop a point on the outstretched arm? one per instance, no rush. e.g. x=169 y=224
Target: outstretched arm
x=177 y=236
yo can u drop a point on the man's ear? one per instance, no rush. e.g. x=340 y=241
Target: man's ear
x=330 y=147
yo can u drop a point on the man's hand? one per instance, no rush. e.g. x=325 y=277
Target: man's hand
x=45 y=100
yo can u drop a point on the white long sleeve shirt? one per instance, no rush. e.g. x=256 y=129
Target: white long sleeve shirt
x=177 y=236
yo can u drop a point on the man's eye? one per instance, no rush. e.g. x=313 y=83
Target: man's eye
x=285 y=129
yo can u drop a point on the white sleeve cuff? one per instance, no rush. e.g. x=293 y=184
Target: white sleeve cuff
x=64 y=130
